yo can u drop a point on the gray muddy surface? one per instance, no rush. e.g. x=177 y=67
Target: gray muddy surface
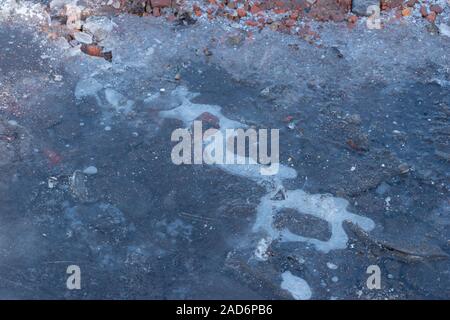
x=364 y=147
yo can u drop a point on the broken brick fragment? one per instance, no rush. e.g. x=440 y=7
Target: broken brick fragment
x=431 y=17
x=53 y=157
x=92 y=50
x=406 y=12
x=411 y=3
x=96 y=51
x=436 y=9
x=390 y=4
x=210 y=120
x=423 y=11
x=352 y=19
x=289 y=23
x=161 y=3
x=255 y=9
x=251 y=23
x=197 y=10
x=241 y=12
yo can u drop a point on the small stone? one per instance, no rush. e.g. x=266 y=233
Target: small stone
x=406 y=12
x=161 y=3
x=335 y=279
x=116 y=4
x=178 y=77
x=331 y=266
x=431 y=17
x=353 y=118
x=92 y=50
x=255 y=9
x=436 y=8
x=207 y=52
x=353 y=19
x=52 y=182
x=99 y=27
x=107 y=128
x=423 y=11
x=83 y=37
x=73 y=14
x=91 y=170
x=403 y=168
x=241 y=12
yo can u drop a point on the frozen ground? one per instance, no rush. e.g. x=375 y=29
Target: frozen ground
x=364 y=143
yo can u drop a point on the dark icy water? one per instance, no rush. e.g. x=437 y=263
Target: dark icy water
x=142 y=227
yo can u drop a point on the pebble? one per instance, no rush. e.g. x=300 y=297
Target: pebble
x=91 y=170
x=331 y=266
x=83 y=37
x=403 y=168
x=107 y=128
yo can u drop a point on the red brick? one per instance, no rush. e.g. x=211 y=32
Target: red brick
x=241 y=12
x=161 y=3
x=431 y=17
x=437 y=9
x=423 y=11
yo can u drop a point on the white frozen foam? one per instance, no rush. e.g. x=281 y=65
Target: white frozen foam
x=326 y=207
x=297 y=287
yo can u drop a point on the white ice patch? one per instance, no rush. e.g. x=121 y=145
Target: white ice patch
x=261 y=249
x=188 y=111
x=296 y=286
x=118 y=101
x=90 y=87
x=326 y=207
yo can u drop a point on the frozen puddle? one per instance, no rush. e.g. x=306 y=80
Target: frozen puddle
x=331 y=209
